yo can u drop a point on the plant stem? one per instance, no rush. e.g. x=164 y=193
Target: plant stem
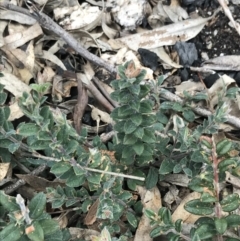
x=74 y=163
x=218 y=210
x=216 y=178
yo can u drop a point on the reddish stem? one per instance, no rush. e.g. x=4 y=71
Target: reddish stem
x=218 y=209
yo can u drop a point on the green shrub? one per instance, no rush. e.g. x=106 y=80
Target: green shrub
x=152 y=139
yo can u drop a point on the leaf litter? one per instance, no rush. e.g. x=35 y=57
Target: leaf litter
x=172 y=36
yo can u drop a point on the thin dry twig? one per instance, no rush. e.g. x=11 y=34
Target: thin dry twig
x=80 y=107
x=104 y=92
x=73 y=162
x=98 y=96
x=48 y=23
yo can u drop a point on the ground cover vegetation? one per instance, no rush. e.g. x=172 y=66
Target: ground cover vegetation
x=119 y=120
x=139 y=151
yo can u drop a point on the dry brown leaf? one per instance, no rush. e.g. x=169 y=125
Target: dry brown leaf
x=57 y=88
x=235 y=181
x=39 y=183
x=16 y=87
x=21 y=57
x=12 y=64
x=163 y=56
x=53 y=58
x=177 y=179
x=228 y=62
x=151 y=199
x=189 y=86
x=99 y=114
x=30 y=60
x=67 y=106
x=110 y=32
x=42 y=2
x=18 y=39
x=172 y=195
x=3 y=25
x=46 y=76
x=26 y=75
x=166 y=35
x=56 y=46
x=62 y=220
x=85 y=234
x=116 y=58
x=234 y=107
x=27 y=59
x=218 y=137
x=226 y=128
x=92 y=214
x=16 y=28
x=130 y=56
x=181 y=213
x=103 y=45
x=131 y=71
x=4 y=167
x=88 y=71
x=120 y=55
x=175 y=12
x=17 y=17
x=16 y=112
x=158 y=16
x=218 y=87
x=88 y=39
x=67 y=87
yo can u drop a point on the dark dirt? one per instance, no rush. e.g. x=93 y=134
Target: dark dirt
x=217 y=38
x=224 y=40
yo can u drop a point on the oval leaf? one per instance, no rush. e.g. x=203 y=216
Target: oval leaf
x=198 y=207
x=28 y=129
x=206 y=231
x=152 y=178
x=132 y=219
x=220 y=225
x=35 y=232
x=230 y=203
x=223 y=147
x=10 y=233
x=37 y=205
x=49 y=226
